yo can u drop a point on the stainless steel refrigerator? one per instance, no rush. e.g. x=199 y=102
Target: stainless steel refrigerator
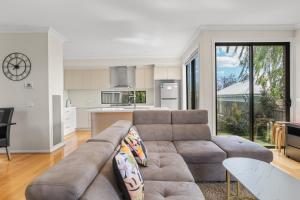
x=169 y=95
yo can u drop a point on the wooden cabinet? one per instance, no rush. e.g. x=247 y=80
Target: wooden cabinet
x=86 y=79
x=167 y=73
x=144 y=78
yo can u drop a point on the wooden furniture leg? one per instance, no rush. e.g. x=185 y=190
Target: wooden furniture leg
x=228 y=185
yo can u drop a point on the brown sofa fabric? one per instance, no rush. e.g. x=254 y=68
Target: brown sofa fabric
x=122 y=124
x=191 y=132
x=152 y=117
x=166 y=167
x=113 y=134
x=160 y=147
x=69 y=179
x=166 y=190
x=236 y=146
x=196 y=152
x=189 y=117
x=155 y=132
x=208 y=172
x=104 y=185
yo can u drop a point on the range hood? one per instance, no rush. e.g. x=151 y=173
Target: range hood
x=122 y=76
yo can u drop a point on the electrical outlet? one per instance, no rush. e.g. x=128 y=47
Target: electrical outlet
x=28 y=84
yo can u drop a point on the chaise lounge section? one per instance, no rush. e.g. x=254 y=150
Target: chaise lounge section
x=181 y=151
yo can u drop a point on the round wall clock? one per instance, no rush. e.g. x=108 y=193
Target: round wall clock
x=16 y=66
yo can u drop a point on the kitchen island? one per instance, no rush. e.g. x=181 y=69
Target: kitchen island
x=101 y=118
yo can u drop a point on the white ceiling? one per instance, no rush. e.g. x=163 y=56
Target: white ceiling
x=140 y=28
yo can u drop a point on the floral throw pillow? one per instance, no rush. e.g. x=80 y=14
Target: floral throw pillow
x=137 y=146
x=128 y=174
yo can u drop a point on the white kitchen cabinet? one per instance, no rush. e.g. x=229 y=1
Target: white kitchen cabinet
x=74 y=79
x=140 y=78
x=83 y=119
x=87 y=82
x=103 y=79
x=149 y=77
x=174 y=73
x=87 y=79
x=69 y=120
x=160 y=73
x=167 y=73
x=144 y=78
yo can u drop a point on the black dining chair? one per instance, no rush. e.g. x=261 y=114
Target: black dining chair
x=5 y=124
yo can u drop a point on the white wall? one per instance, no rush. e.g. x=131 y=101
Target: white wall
x=32 y=106
x=296 y=78
x=32 y=130
x=205 y=42
x=55 y=79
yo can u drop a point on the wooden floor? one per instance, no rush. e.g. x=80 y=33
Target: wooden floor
x=15 y=175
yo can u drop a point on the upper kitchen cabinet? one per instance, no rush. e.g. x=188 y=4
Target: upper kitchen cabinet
x=167 y=73
x=73 y=79
x=86 y=79
x=144 y=77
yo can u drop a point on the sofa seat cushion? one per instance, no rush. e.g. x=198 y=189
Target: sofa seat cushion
x=166 y=167
x=195 y=152
x=236 y=146
x=160 y=147
x=160 y=190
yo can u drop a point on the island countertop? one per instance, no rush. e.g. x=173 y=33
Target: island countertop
x=101 y=118
x=123 y=109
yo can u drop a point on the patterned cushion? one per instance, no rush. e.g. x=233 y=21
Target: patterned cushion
x=137 y=146
x=128 y=174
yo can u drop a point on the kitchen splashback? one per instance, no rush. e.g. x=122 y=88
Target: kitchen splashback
x=122 y=97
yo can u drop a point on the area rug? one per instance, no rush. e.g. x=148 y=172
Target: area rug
x=218 y=191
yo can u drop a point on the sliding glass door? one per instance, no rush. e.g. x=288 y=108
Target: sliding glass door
x=252 y=81
x=193 y=82
x=233 y=95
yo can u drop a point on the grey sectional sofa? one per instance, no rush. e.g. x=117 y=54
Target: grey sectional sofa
x=181 y=150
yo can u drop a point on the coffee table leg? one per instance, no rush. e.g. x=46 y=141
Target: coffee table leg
x=228 y=185
x=238 y=189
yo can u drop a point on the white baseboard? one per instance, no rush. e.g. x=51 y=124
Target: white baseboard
x=54 y=148
x=2 y=151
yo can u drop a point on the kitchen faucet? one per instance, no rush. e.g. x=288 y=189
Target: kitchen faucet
x=134 y=99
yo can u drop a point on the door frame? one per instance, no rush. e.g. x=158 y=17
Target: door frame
x=288 y=101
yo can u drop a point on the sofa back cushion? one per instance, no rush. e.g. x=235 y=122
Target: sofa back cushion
x=189 y=117
x=155 y=132
x=190 y=125
x=152 y=117
x=105 y=185
x=69 y=179
x=153 y=125
x=113 y=134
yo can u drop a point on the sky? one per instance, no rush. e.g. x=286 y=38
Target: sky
x=228 y=62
